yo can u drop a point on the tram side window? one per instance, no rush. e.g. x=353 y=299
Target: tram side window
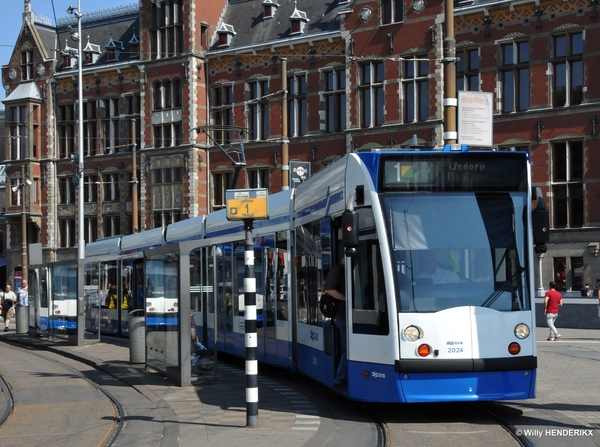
x=225 y=286
x=196 y=280
x=369 y=299
x=239 y=291
x=309 y=280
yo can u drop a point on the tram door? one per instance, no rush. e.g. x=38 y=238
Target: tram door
x=266 y=327
x=225 y=296
x=108 y=297
x=91 y=301
x=38 y=293
x=201 y=294
x=272 y=282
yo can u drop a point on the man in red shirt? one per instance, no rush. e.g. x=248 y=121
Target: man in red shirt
x=552 y=301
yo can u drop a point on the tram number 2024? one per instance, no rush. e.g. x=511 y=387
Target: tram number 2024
x=455 y=350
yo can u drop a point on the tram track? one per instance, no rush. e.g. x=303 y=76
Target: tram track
x=449 y=424
x=18 y=392
x=118 y=427
x=517 y=435
x=7 y=401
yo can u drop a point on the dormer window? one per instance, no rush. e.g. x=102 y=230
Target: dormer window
x=91 y=52
x=113 y=49
x=225 y=33
x=69 y=56
x=298 y=21
x=270 y=6
x=134 y=46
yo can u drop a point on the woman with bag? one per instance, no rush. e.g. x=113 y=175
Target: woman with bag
x=9 y=299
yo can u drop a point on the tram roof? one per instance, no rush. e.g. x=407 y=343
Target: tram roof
x=186 y=230
x=145 y=240
x=110 y=246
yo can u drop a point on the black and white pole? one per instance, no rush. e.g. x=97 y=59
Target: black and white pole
x=251 y=337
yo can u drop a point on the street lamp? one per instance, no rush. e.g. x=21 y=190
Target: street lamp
x=20 y=187
x=76 y=36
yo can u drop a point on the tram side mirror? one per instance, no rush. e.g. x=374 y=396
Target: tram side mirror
x=350 y=229
x=350 y=252
x=540 y=219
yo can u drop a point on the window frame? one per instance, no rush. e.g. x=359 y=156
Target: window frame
x=515 y=76
x=334 y=99
x=467 y=70
x=392 y=11
x=372 y=94
x=567 y=184
x=167 y=29
x=258 y=109
x=416 y=77
x=27 y=65
x=221 y=183
x=222 y=112
x=571 y=59
x=297 y=104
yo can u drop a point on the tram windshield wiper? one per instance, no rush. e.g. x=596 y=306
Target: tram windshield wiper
x=507 y=286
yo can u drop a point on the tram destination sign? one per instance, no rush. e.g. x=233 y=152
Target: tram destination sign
x=247 y=204
x=476 y=171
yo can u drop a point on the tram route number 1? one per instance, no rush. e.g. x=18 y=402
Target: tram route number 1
x=247 y=204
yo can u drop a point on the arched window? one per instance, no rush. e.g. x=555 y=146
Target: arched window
x=158 y=95
x=177 y=93
x=168 y=94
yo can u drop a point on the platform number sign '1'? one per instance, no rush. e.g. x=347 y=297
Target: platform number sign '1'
x=247 y=204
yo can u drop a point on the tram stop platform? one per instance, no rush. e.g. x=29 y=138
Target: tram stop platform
x=212 y=412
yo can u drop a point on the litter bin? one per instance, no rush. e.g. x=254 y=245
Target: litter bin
x=137 y=336
x=22 y=319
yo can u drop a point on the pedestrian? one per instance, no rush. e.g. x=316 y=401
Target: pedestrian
x=586 y=290
x=596 y=292
x=199 y=350
x=335 y=286
x=8 y=299
x=552 y=301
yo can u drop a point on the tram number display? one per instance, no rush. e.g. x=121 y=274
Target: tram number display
x=455 y=350
x=247 y=204
x=454 y=172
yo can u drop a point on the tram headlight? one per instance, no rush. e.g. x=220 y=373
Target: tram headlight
x=412 y=333
x=522 y=331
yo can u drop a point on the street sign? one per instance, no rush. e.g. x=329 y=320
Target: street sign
x=247 y=204
x=475 y=118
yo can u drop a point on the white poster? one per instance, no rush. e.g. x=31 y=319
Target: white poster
x=475 y=118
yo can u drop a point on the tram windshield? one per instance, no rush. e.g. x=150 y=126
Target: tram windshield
x=458 y=249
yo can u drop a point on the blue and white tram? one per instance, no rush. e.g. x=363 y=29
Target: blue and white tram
x=415 y=334
x=439 y=277
x=114 y=281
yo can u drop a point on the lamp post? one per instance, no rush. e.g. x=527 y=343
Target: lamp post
x=21 y=187
x=77 y=36
x=23 y=228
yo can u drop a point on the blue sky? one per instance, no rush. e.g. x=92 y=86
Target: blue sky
x=11 y=19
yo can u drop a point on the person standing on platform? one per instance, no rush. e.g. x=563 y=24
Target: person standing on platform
x=8 y=300
x=335 y=286
x=586 y=290
x=552 y=301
